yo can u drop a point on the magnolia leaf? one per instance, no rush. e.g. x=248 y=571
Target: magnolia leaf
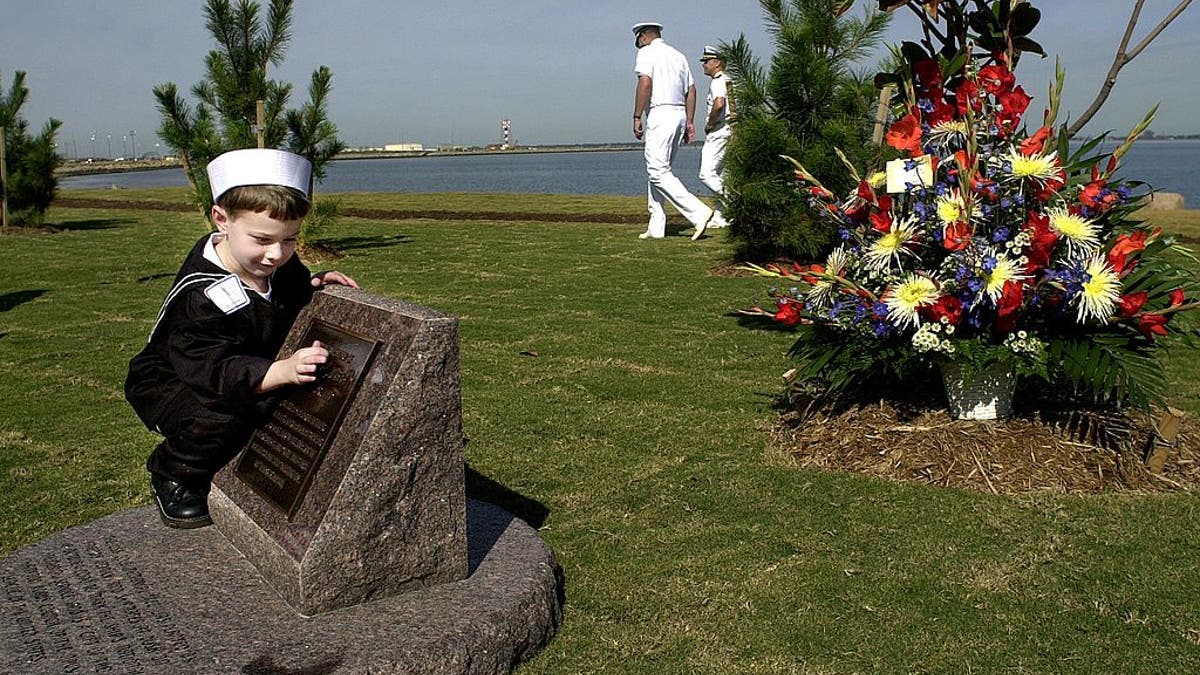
x=889 y=5
x=884 y=79
x=913 y=52
x=983 y=22
x=1024 y=44
x=1024 y=19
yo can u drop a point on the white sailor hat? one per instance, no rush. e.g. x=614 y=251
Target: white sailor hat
x=258 y=166
x=710 y=52
x=639 y=27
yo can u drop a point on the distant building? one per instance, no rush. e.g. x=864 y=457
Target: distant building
x=403 y=147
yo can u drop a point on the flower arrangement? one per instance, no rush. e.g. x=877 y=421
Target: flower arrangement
x=985 y=244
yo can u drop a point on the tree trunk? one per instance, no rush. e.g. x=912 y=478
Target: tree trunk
x=3 y=182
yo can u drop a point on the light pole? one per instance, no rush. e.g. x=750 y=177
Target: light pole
x=133 y=143
x=93 y=155
x=125 y=145
x=110 y=146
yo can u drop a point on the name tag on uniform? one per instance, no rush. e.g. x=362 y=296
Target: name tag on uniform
x=228 y=294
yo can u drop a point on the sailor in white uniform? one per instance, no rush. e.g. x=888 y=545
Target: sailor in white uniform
x=664 y=106
x=716 y=124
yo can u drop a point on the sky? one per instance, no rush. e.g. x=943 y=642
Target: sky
x=560 y=70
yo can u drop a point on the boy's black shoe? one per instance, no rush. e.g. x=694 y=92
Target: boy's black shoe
x=179 y=506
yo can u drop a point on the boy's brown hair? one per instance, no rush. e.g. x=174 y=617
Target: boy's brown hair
x=278 y=201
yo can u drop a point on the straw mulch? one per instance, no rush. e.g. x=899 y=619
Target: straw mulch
x=1066 y=452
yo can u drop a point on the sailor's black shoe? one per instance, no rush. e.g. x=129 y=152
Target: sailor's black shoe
x=179 y=506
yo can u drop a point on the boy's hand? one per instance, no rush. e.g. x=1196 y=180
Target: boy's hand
x=302 y=367
x=331 y=277
x=305 y=363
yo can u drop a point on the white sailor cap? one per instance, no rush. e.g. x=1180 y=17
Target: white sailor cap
x=258 y=166
x=639 y=27
x=710 y=52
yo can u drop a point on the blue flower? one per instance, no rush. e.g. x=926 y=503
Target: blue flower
x=1001 y=234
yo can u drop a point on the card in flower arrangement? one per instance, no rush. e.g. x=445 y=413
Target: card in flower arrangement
x=904 y=174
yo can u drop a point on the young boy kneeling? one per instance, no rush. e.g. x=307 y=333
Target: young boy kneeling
x=206 y=377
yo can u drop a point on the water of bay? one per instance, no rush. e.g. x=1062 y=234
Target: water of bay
x=1173 y=166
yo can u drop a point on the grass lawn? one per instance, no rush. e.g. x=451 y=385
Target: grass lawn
x=638 y=425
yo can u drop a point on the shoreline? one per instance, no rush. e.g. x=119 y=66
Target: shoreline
x=86 y=168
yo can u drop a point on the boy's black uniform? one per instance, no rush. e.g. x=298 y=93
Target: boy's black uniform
x=210 y=348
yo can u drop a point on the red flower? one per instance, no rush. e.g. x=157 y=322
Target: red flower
x=947 y=306
x=905 y=134
x=1035 y=143
x=1152 y=324
x=1041 y=244
x=881 y=221
x=996 y=79
x=789 y=313
x=815 y=269
x=941 y=112
x=1132 y=303
x=928 y=75
x=984 y=187
x=865 y=191
x=967 y=94
x=857 y=211
x=1176 y=297
x=1051 y=187
x=1125 y=245
x=1093 y=195
x=956 y=236
x=1012 y=106
x=815 y=190
x=1006 y=307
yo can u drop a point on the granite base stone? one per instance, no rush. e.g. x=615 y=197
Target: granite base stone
x=123 y=594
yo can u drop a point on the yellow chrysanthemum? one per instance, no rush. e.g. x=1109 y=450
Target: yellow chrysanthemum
x=877 y=179
x=891 y=245
x=1100 y=293
x=950 y=208
x=909 y=296
x=1040 y=168
x=1006 y=270
x=1080 y=233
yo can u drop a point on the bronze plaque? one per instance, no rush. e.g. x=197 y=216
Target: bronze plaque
x=285 y=452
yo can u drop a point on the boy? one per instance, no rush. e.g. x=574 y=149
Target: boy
x=207 y=374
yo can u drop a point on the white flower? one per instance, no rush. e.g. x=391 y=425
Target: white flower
x=892 y=244
x=820 y=295
x=951 y=208
x=1080 y=233
x=906 y=298
x=1039 y=168
x=948 y=133
x=1006 y=270
x=1100 y=293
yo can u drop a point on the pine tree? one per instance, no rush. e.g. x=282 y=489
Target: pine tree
x=29 y=161
x=809 y=104
x=236 y=79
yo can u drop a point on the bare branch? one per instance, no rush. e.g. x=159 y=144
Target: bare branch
x=1123 y=57
x=1158 y=29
